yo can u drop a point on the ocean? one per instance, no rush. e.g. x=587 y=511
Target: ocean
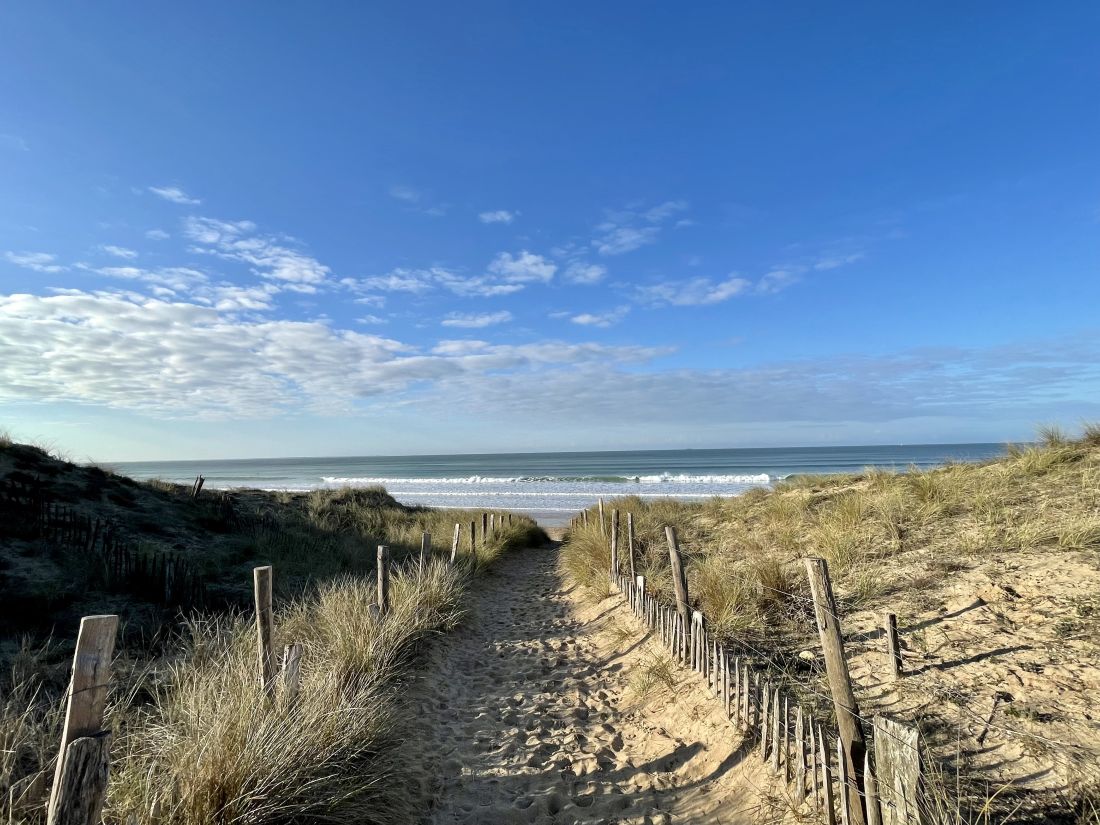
x=552 y=487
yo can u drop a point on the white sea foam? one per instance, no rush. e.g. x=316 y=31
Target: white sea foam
x=664 y=478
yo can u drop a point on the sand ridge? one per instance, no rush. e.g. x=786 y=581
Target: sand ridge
x=534 y=712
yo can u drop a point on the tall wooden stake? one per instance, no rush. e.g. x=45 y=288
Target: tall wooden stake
x=679 y=577
x=614 y=542
x=383 y=580
x=853 y=744
x=630 y=541
x=454 y=544
x=85 y=702
x=425 y=550
x=603 y=527
x=265 y=627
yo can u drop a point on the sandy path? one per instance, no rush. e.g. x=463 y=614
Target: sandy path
x=537 y=710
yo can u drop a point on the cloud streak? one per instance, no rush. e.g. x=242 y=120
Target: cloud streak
x=175 y=195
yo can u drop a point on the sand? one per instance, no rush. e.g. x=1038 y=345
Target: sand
x=535 y=712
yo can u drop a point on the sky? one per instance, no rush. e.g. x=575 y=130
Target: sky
x=257 y=229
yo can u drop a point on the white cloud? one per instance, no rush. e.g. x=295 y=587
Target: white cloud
x=118 y=251
x=834 y=261
x=497 y=216
x=405 y=193
x=477 y=321
x=693 y=291
x=175 y=358
x=157 y=235
x=235 y=241
x=525 y=267
x=420 y=281
x=371 y=319
x=38 y=261
x=779 y=279
x=175 y=195
x=179 y=279
x=629 y=229
x=604 y=319
x=580 y=272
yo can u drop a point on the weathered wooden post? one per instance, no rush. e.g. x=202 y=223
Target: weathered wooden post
x=265 y=627
x=492 y=524
x=874 y=813
x=383 y=580
x=893 y=648
x=897 y=760
x=603 y=527
x=615 y=543
x=454 y=544
x=679 y=578
x=292 y=672
x=836 y=666
x=80 y=778
x=584 y=514
x=484 y=527
x=425 y=550
x=473 y=539
x=630 y=541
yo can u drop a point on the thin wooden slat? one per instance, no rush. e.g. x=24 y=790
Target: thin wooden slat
x=893 y=648
x=383 y=580
x=827 y=802
x=265 y=627
x=844 y=784
x=874 y=813
x=292 y=672
x=777 y=725
x=800 y=756
x=454 y=544
x=82 y=783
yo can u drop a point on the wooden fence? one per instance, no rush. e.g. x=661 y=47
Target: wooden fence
x=117 y=564
x=827 y=764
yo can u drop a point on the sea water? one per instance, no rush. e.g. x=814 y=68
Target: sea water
x=554 y=486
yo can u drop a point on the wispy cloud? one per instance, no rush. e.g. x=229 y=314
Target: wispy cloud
x=497 y=216
x=693 y=291
x=421 y=281
x=524 y=267
x=37 y=261
x=628 y=229
x=406 y=193
x=371 y=319
x=238 y=241
x=477 y=321
x=581 y=272
x=417 y=200
x=157 y=235
x=118 y=251
x=603 y=319
x=175 y=195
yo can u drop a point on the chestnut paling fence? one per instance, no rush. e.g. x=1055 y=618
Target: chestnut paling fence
x=831 y=766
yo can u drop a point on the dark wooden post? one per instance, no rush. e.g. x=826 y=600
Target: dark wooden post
x=854 y=745
x=893 y=648
x=265 y=627
x=383 y=580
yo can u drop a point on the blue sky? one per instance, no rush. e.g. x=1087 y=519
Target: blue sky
x=289 y=229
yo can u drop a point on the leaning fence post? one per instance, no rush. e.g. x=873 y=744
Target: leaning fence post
x=840 y=683
x=383 y=580
x=893 y=649
x=265 y=627
x=679 y=577
x=454 y=544
x=80 y=778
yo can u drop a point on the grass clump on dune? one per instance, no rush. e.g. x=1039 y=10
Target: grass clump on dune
x=211 y=749
x=743 y=554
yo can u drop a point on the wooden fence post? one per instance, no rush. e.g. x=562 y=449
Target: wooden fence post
x=679 y=578
x=874 y=814
x=82 y=756
x=425 y=551
x=897 y=759
x=484 y=527
x=840 y=683
x=454 y=544
x=473 y=539
x=383 y=580
x=630 y=541
x=292 y=672
x=603 y=527
x=265 y=627
x=615 y=542
x=893 y=648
